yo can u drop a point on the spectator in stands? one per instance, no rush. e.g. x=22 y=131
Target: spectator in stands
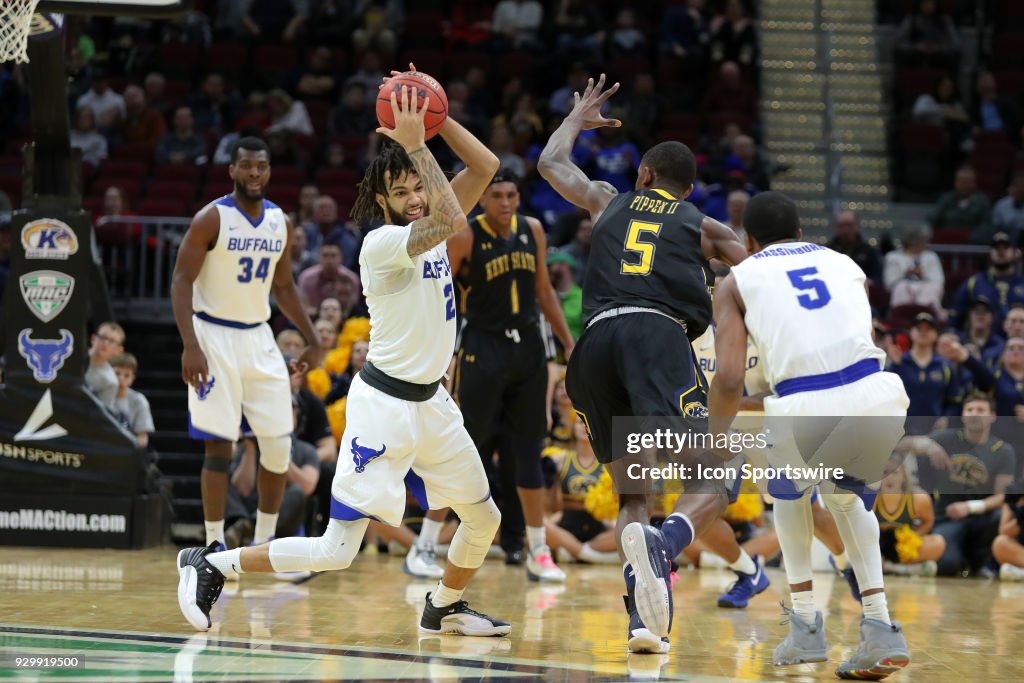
x=501 y=143
x=944 y=107
x=79 y=74
x=1013 y=326
x=579 y=248
x=193 y=28
x=625 y=38
x=516 y=24
x=271 y=21
x=752 y=161
x=317 y=79
x=329 y=278
x=1004 y=381
x=561 y=267
x=616 y=159
x=326 y=227
x=579 y=29
x=994 y=113
x=730 y=96
x=107 y=106
x=142 y=125
x=381 y=22
x=302 y=217
x=967 y=471
x=327 y=335
x=301 y=256
x=340 y=384
x=182 y=145
x=685 y=33
x=330 y=310
x=130 y=405
x=964 y=207
x=283 y=148
x=913 y=274
x=107 y=342
x=980 y=336
x=215 y=110
x=469 y=25
x=329 y=22
x=930 y=380
x=1008 y=213
x=287 y=114
x=1008 y=548
x=641 y=117
x=155 y=86
x=115 y=202
x=847 y=240
x=561 y=100
x=927 y=38
x=370 y=75
x=300 y=483
x=354 y=115
x=735 y=205
x=255 y=114
x=85 y=137
x=289 y=341
x=733 y=37
x=522 y=120
x=1002 y=283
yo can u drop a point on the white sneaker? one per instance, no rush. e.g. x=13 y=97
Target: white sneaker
x=422 y=563
x=1009 y=572
x=541 y=567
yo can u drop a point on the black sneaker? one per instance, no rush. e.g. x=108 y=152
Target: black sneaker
x=199 y=585
x=639 y=639
x=459 y=619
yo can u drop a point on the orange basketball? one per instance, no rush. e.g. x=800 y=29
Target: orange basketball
x=424 y=86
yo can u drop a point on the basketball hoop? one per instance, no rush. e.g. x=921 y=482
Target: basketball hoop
x=15 y=25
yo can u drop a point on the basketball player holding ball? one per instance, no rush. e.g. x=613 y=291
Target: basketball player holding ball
x=403 y=428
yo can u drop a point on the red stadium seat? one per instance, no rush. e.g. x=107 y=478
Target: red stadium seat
x=343 y=194
x=428 y=61
x=319 y=114
x=459 y=63
x=130 y=186
x=115 y=168
x=178 y=59
x=171 y=189
x=336 y=176
x=951 y=235
x=159 y=206
x=518 y=63
x=275 y=58
x=228 y=59
x=287 y=175
x=623 y=69
x=178 y=172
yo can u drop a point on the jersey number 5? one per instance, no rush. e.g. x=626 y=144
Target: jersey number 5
x=634 y=245
x=801 y=279
x=262 y=269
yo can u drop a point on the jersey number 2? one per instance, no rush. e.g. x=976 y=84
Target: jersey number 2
x=634 y=245
x=449 y=302
x=801 y=279
x=262 y=269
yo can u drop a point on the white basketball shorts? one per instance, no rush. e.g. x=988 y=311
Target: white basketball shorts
x=390 y=443
x=247 y=376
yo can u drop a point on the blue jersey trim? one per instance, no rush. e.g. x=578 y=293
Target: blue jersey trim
x=828 y=380
x=225 y=323
x=418 y=488
x=197 y=433
x=346 y=513
x=228 y=200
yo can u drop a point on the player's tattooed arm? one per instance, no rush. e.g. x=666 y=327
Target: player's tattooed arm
x=446 y=217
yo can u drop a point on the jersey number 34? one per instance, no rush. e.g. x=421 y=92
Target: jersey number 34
x=801 y=279
x=262 y=269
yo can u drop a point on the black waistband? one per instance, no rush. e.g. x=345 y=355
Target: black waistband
x=407 y=391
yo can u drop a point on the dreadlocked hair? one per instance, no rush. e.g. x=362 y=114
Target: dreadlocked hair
x=392 y=162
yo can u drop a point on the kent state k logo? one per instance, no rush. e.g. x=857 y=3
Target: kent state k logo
x=362 y=455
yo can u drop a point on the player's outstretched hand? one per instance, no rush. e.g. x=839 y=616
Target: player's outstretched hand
x=309 y=359
x=587 y=109
x=409 y=129
x=194 y=370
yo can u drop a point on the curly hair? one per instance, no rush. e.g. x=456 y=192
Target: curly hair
x=391 y=162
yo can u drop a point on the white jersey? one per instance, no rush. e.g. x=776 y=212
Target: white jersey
x=412 y=306
x=807 y=310
x=234 y=282
x=753 y=379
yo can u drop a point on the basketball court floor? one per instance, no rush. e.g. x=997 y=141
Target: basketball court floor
x=117 y=613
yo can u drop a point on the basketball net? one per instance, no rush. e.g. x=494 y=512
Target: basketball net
x=15 y=25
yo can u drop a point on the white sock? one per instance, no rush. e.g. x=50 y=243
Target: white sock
x=445 y=596
x=227 y=561
x=214 y=531
x=430 y=531
x=266 y=525
x=535 y=537
x=876 y=607
x=744 y=565
x=588 y=554
x=803 y=605
x=841 y=560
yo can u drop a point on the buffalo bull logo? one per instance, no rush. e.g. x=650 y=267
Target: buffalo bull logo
x=205 y=388
x=362 y=455
x=45 y=356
